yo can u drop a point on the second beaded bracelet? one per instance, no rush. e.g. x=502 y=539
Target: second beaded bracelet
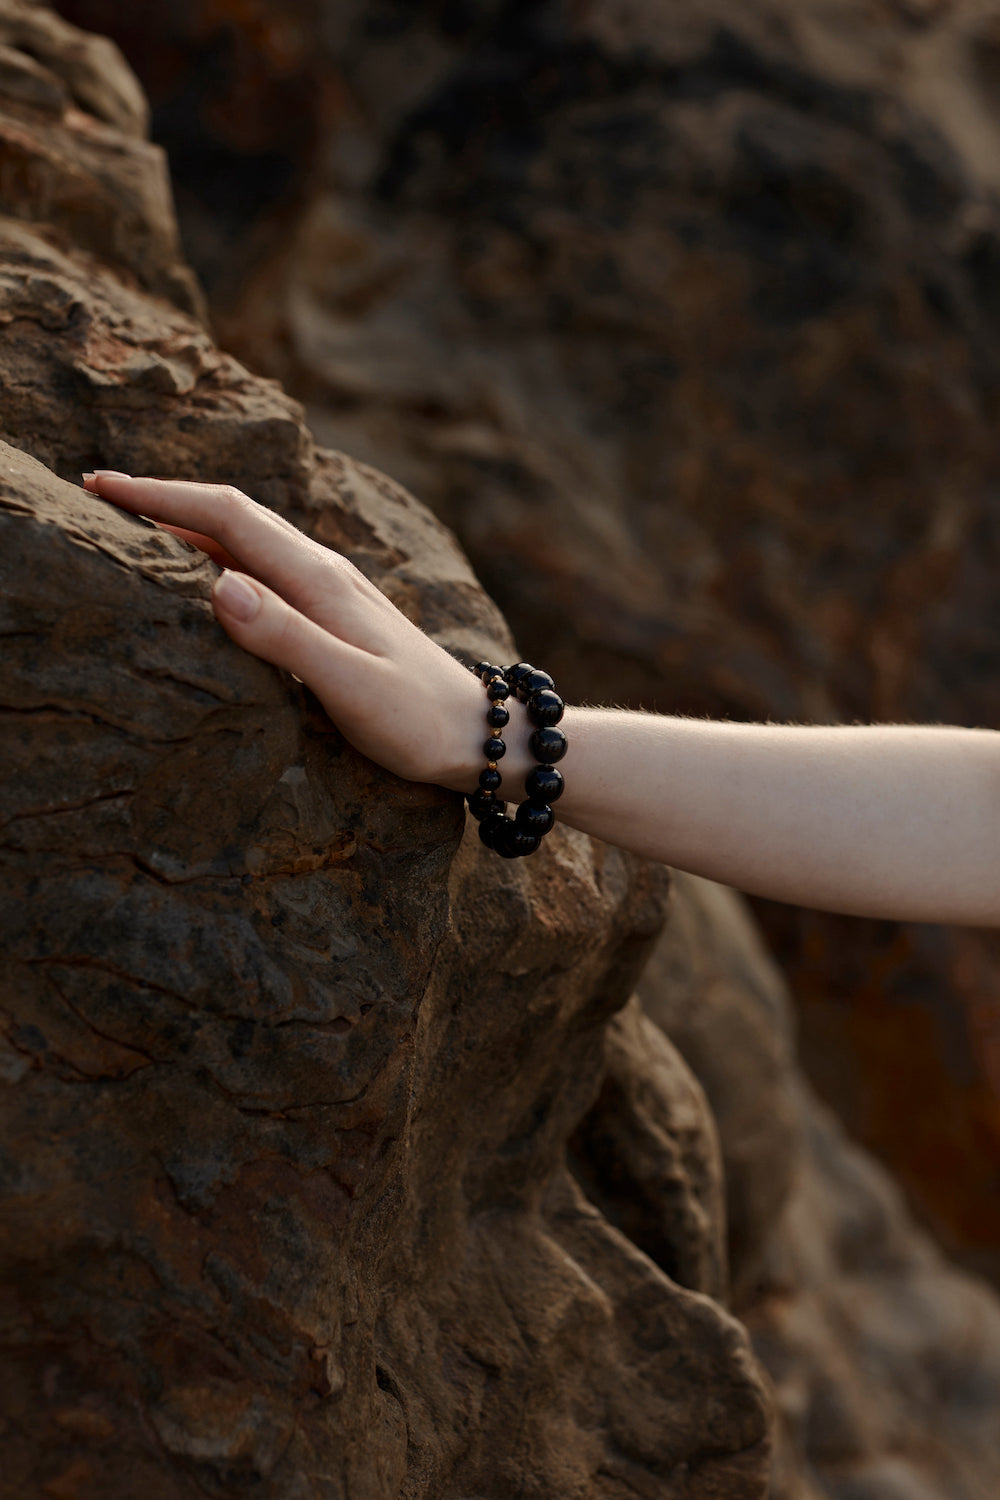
x=513 y=837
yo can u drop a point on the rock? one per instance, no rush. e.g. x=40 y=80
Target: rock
x=75 y=154
x=885 y=1360
x=715 y=992
x=289 y=1068
x=689 y=331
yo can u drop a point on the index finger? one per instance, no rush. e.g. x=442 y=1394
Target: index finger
x=253 y=538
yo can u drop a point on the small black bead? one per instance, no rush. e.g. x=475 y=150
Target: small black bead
x=535 y=819
x=489 y=781
x=533 y=682
x=482 y=804
x=497 y=690
x=544 y=784
x=545 y=708
x=548 y=745
x=481 y=667
x=494 y=749
x=497 y=716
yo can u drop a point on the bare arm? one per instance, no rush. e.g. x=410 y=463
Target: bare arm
x=884 y=821
x=881 y=821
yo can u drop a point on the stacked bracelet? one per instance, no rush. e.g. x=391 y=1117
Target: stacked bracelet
x=522 y=834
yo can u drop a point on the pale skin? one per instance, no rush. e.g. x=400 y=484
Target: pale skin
x=890 y=821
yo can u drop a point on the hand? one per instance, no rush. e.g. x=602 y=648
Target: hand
x=395 y=695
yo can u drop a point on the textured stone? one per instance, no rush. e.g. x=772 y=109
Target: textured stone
x=885 y=1361
x=685 y=319
x=74 y=153
x=288 y=1067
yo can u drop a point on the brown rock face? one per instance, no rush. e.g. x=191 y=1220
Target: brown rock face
x=885 y=1361
x=337 y=1162
x=685 y=319
x=288 y=1068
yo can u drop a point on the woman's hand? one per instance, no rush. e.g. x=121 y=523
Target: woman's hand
x=395 y=695
x=897 y=821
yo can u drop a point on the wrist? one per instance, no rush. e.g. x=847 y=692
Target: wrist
x=469 y=733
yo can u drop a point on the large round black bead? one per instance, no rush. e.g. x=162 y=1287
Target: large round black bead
x=482 y=804
x=516 y=672
x=488 y=828
x=489 y=781
x=497 y=690
x=497 y=716
x=512 y=842
x=545 y=708
x=481 y=667
x=533 y=682
x=544 y=784
x=501 y=830
x=535 y=819
x=548 y=745
x=494 y=748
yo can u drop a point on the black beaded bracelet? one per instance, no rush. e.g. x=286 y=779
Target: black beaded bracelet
x=522 y=834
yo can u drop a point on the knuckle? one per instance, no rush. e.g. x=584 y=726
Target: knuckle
x=288 y=635
x=233 y=498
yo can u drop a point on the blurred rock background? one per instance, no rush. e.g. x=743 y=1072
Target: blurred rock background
x=684 y=316
x=681 y=320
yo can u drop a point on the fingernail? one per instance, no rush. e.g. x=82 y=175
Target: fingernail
x=110 y=474
x=88 y=476
x=237 y=596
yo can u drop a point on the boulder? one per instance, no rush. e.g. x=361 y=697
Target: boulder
x=289 y=1066
x=884 y=1358
x=685 y=319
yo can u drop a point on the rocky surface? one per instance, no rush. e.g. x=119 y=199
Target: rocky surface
x=684 y=317
x=288 y=1066
x=885 y=1361
x=337 y=1161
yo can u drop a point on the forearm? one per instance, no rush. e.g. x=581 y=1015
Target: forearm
x=881 y=821
x=889 y=821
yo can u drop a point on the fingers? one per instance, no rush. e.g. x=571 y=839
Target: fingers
x=198 y=539
x=238 y=533
x=264 y=623
x=217 y=553
x=360 y=692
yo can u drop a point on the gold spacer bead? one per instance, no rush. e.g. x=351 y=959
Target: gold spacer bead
x=491 y=765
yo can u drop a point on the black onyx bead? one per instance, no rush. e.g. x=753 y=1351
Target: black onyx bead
x=494 y=749
x=535 y=819
x=500 y=832
x=548 y=745
x=497 y=716
x=533 y=682
x=544 y=784
x=488 y=828
x=522 y=841
x=489 y=781
x=545 y=708
x=482 y=804
x=481 y=667
x=512 y=842
x=497 y=690
x=516 y=672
